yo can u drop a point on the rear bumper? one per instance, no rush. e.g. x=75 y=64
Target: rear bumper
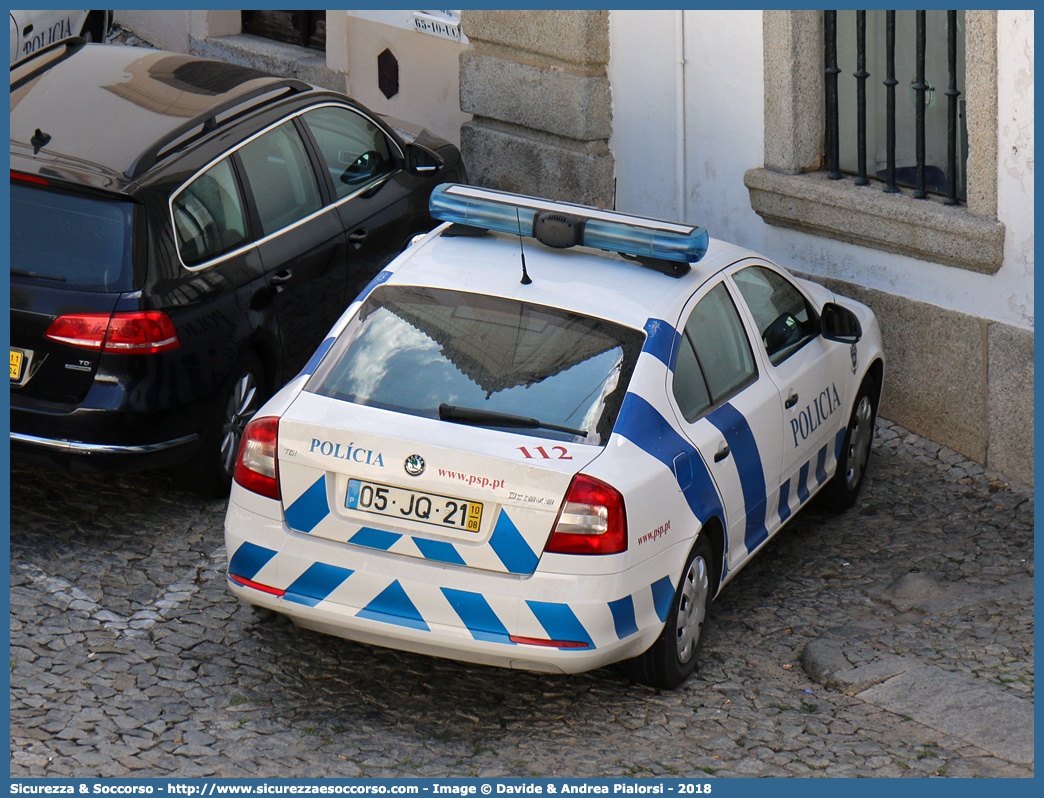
x=441 y=609
x=99 y=457
x=106 y=434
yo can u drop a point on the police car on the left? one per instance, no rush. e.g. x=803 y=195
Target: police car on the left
x=546 y=436
x=33 y=29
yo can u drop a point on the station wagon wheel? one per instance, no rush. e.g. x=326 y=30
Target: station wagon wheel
x=672 y=658
x=243 y=402
x=241 y=397
x=841 y=492
x=94 y=28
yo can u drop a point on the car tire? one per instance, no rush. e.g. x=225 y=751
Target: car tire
x=843 y=489
x=240 y=398
x=93 y=28
x=673 y=657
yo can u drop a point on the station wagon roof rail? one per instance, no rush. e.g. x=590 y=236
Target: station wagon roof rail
x=668 y=247
x=73 y=45
x=208 y=121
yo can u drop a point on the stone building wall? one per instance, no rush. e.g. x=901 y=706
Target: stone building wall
x=536 y=86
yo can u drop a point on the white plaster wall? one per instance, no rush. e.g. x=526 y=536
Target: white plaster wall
x=429 y=71
x=1015 y=168
x=168 y=30
x=724 y=131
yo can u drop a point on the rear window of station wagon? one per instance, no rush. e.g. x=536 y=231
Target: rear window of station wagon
x=74 y=241
x=410 y=349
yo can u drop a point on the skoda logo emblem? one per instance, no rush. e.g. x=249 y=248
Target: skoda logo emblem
x=414 y=465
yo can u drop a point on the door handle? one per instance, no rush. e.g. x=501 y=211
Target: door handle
x=723 y=452
x=791 y=400
x=358 y=236
x=282 y=277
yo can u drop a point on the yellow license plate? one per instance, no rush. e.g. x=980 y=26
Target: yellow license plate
x=16 y=365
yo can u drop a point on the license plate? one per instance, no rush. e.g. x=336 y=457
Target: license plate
x=17 y=357
x=412 y=505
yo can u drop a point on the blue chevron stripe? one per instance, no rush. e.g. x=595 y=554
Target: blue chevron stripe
x=821 y=474
x=663 y=595
x=802 y=486
x=661 y=341
x=476 y=614
x=308 y=509
x=642 y=424
x=374 y=538
x=784 y=501
x=560 y=623
x=394 y=606
x=509 y=545
x=839 y=442
x=313 y=361
x=315 y=584
x=623 y=617
x=249 y=559
x=439 y=550
x=731 y=423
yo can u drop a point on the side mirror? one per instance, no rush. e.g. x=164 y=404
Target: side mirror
x=422 y=161
x=840 y=324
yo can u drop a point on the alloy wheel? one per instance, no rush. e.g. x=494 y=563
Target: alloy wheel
x=860 y=435
x=692 y=607
x=242 y=405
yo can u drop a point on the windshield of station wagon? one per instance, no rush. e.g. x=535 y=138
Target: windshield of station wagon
x=411 y=349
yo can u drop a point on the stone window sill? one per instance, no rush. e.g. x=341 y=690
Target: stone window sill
x=925 y=229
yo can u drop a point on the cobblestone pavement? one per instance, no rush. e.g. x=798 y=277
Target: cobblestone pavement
x=130 y=658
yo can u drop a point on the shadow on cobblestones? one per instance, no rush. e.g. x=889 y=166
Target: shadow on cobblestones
x=130 y=658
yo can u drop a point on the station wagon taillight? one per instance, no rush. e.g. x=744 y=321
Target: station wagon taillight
x=256 y=467
x=592 y=520
x=137 y=333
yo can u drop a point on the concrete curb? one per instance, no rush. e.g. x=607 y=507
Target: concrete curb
x=971 y=708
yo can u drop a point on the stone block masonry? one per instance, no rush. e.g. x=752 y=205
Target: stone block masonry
x=535 y=82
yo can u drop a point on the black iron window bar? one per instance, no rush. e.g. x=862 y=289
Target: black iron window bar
x=920 y=86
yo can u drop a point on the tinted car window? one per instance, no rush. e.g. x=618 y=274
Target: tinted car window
x=714 y=357
x=208 y=215
x=71 y=240
x=354 y=149
x=784 y=318
x=690 y=388
x=410 y=349
x=281 y=178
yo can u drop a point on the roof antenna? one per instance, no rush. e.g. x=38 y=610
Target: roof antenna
x=525 y=277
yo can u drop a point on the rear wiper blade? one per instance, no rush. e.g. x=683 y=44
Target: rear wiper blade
x=490 y=418
x=24 y=273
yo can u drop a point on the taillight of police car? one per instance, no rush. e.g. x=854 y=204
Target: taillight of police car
x=256 y=467
x=592 y=520
x=137 y=333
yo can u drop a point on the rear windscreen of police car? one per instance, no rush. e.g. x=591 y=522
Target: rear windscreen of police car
x=74 y=241
x=412 y=349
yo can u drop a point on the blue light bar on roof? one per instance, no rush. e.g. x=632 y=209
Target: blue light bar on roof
x=608 y=230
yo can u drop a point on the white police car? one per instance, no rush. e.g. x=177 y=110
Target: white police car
x=550 y=456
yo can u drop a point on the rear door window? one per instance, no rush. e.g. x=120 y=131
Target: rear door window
x=208 y=215
x=411 y=349
x=281 y=178
x=714 y=357
x=73 y=241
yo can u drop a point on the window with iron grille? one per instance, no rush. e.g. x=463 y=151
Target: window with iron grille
x=895 y=110
x=803 y=184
